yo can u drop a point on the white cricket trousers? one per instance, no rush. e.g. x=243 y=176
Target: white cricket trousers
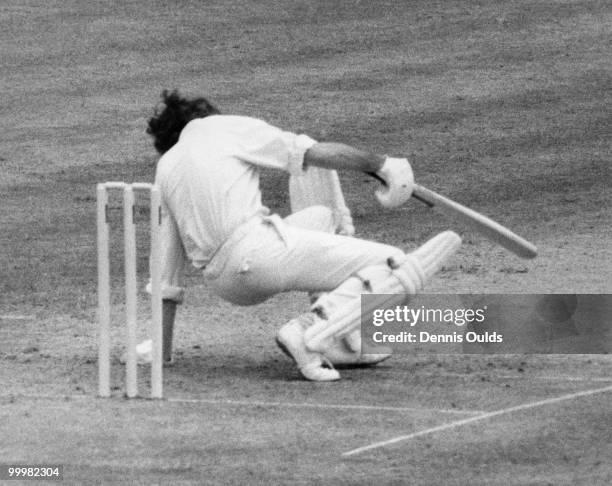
x=269 y=255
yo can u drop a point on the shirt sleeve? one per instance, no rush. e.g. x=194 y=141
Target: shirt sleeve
x=173 y=259
x=268 y=146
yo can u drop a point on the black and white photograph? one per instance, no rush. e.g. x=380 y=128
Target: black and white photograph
x=306 y=242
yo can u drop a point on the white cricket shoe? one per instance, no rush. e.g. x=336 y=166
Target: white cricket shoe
x=144 y=354
x=350 y=351
x=341 y=355
x=313 y=366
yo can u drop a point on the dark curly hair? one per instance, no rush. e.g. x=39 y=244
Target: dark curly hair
x=166 y=124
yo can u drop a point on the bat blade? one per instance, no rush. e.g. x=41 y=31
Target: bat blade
x=477 y=221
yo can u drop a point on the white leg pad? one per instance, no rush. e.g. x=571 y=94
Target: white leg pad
x=338 y=313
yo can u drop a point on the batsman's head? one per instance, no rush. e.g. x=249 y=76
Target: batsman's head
x=166 y=124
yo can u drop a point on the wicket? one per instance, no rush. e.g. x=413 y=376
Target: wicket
x=104 y=300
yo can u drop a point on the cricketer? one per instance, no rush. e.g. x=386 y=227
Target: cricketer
x=213 y=217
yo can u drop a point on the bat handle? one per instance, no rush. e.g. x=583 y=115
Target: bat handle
x=423 y=200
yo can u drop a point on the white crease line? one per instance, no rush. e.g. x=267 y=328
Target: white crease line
x=478 y=418
x=474 y=375
x=323 y=406
x=557 y=377
x=24 y=396
x=16 y=317
x=252 y=403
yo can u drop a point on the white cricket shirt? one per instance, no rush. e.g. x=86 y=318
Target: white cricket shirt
x=209 y=182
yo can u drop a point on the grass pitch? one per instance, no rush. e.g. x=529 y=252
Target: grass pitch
x=503 y=106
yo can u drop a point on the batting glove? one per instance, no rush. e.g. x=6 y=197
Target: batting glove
x=399 y=182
